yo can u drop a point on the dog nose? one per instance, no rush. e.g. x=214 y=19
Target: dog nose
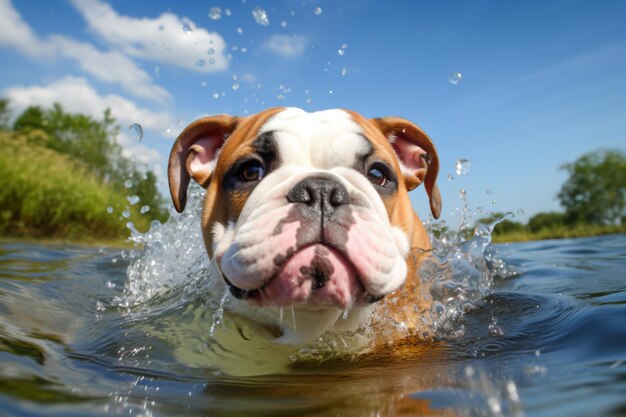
x=322 y=195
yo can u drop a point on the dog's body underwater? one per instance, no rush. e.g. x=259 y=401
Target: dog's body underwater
x=309 y=212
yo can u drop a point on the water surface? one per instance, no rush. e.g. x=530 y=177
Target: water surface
x=549 y=340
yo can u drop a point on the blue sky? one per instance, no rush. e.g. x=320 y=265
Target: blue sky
x=542 y=81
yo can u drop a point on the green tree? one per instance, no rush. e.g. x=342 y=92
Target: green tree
x=546 y=221
x=32 y=118
x=595 y=192
x=92 y=143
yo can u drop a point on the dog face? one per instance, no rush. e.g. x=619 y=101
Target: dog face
x=308 y=211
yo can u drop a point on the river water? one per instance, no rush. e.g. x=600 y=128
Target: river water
x=524 y=329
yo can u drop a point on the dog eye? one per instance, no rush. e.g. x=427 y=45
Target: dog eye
x=376 y=176
x=252 y=171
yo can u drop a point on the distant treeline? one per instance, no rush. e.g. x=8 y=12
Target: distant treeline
x=63 y=175
x=593 y=198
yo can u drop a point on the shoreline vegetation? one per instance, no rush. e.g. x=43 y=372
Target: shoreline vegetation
x=559 y=233
x=63 y=179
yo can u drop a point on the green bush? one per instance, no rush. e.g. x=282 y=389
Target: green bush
x=546 y=221
x=44 y=193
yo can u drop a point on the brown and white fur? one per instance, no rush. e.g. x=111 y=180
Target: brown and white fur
x=309 y=212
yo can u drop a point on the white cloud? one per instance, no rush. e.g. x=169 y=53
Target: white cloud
x=110 y=67
x=287 y=46
x=78 y=96
x=15 y=32
x=162 y=39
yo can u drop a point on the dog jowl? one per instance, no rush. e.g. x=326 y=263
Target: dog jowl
x=308 y=211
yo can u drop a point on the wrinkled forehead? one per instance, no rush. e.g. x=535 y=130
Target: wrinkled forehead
x=323 y=139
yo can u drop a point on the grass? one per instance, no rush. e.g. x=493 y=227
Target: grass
x=44 y=194
x=561 y=232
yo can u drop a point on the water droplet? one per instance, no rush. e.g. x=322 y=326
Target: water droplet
x=521 y=212
x=283 y=24
x=211 y=61
x=455 y=78
x=216 y=95
x=244 y=50
x=110 y=284
x=240 y=31
x=211 y=51
x=341 y=52
x=203 y=83
x=128 y=183
x=462 y=166
x=330 y=92
x=489 y=191
x=450 y=177
x=535 y=370
x=109 y=210
x=186 y=27
x=169 y=129
x=462 y=192
x=144 y=209
x=308 y=100
x=235 y=87
x=133 y=199
x=493 y=202
x=317 y=11
x=479 y=209
x=136 y=130
x=344 y=72
x=200 y=63
x=260 y=16
x=215 y=13
x=227 y=12
x=126 y=214
x=495 y=330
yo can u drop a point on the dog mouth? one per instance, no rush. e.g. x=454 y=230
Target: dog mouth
x=315 y=276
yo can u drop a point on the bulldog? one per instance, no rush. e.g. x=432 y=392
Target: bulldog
x=309 y=212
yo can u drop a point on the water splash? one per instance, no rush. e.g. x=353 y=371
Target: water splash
x=462 y=166
x=136 y=130
x=187 y=26
x=173 y=256
x=260 y=16
x=455 y=78
x=215 y=13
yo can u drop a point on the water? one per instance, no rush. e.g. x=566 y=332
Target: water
x=534 y=329
x=260 y=16
x=455 y=78
x=215 y=13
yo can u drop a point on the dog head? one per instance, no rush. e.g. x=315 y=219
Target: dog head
x=307 y=211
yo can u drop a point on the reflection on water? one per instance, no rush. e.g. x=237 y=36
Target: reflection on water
x=523 y=329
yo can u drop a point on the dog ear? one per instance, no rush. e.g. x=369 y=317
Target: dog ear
x=417 y=154
x=194 y=155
